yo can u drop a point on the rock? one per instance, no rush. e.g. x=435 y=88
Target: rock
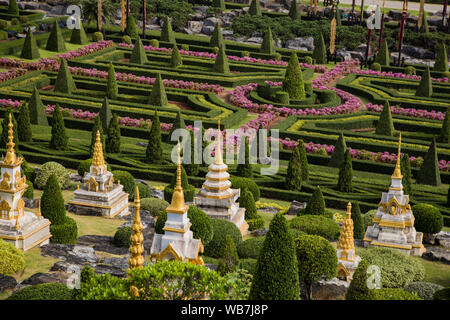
x=208 y=30
x=259 y=232
x=121 y=263
x=75 y=177
x=57 y=11
x=429 y=238
x=201 y=9
x=67 y=267
x=257 y=34
x=437 y=254
x=7 y=283
x=417 y=52
x=31 y=203
x=334 y=289
x=21 y=5
x=435 y=20
x=297 y=43
x=101 y=243
x=212 y=21
x=84 y=253
x=271 y=210
x=112 y=270
x=211 y=266
x=76 y=254
x=295 y=207
x=253 y=40
x=195 y=26
x=196 y=16
x=227 y=33
x=443 y=239
x=31 y=6
x=51 y=277
x=346 y=55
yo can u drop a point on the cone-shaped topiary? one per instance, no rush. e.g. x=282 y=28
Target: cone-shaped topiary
x=176 y=60
x=385 y=125
x=245 y=169
x=221 y=64
x=345 y=174
x=339 y=151
x=383 y=54
x=112 y=91
x=320 y=51
x=105 y=114
x=316 y=204
x=131 y=28
x=358 y=221
x=113 y=136
x=78 y=34
x=338 y=17
x=293 y=11
x=358 y=289
x=97 y=127
x=158 y=95
x=30 y=50
x=13 y=8
x=303 y=160
x=429 y=171
x=228 y=258
x=294 y=173
x=445 y=131
x=425 y=88
x=64 y=82
x=424 y=28
x=55 y=41
x=4 y=137
x=52 y=202
x=276 y=275
x=167 y=34
x=405 y=167
x=293 y=79
x=192 y=168
x=37 y=109
x=24 y=125
x=247 y=201
x=441 y=63
x=220 y=4
x=59 y=140
x=216 y=39
x=255 y=8
x=267 y=44
x=154 y=152
x=138 y=55
x=177 y=124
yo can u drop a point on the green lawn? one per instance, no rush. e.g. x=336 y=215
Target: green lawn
x=47 y=54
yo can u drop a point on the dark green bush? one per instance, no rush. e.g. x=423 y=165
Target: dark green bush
x=30 y=191
x=358 y=289
x=256 y=223
x=144 y=191
x=443 y=294
x=393 y=294
x=43 y=291
x=221 y=228
x=97 y=36
x=241 y=183
x=127 y=180
x=228 y=258
x=375 y=66
x=66 y=233
x=424 y=290
x=316 y=225
x=154 y=205
x=428 y=219
x=248 y=264
x=250 y=248
x=122 y=237
x=85 y=166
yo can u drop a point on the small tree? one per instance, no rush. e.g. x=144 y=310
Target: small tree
x=192 y=168
x=52 y=202
x=4 y=137
x=441 y=63
x=425 y=88
x=13 y=8
x=303 y=160
x=247 y=201
x=167 y=34
x=59 y=140
x=177 y=124
x=64 y=82
x=220 y=4
x=37 y=109
x=358 y=222
x=358 y=289
x=112 y=91
x=255 y=8
x=158 y=95
x=97 y=127
x=55 y=41
x=316 y=259
x=229 y=257
x=267 y=45
x=444 y=136
x=138 y=54
x=294 y=173
x=316 y=204
x=221 y=63
x=293 y=11
x=216 y=39
x=429 y=171
x=24 y=125
x=339 y=151
x=383 y=54
x=320 y=51
x=405 y=166
x=245 y=169
x=78 y=34
x=131 y=28
x=385 y=125
x=293 y=79
x=276 y=275
x=30 y=49
x=113 y=137
x=105 y=114
x=175 y=59
x=424 y=28
x=346 y=174
x=153 y=153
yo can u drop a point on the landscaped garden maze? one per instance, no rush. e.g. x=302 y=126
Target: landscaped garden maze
x=339 y=123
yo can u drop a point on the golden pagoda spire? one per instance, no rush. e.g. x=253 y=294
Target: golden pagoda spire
x=346 y=243
x=218 y=159
x=10 y=153
x=17 y=226
x=39 y=213
x=398 y=172
x=98 y=160
x=136 y=259
x=177 y=205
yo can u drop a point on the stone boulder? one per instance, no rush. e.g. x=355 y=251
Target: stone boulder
x=437 y=254
x=101 y=243
x=57 y=11
x=208 y=30
x=435 y=20
x=443 y=239
x=259 y=232
x=201 y=9
x=75 y=177
x=416 y=52
x=429 y=238
x=75 y=254
x=254 y=40
x=295 y=207
x=117 y=262
x=7 y=283
x=212 y=21
x=51 y=277
x=31 y=6
x=195 y=26
x=112 y=270
x=31 y=203
x=302 y=43
x=334 y=289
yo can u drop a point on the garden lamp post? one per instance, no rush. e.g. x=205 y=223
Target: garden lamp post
x=402 y=30
x=380 y=39
x=362 y=12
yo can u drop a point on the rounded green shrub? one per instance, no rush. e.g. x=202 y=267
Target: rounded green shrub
x=443 y=294
x=397 y=269
x=43 y=291
x=97 y=36
x=66 y=233
x=316 y=225
x=410 y=70
x=428 y=219
x=122 y=237
x=308 y=60
x=154 y=206
x=277 y=56
x=49 y=168
x=368 y=218
x=126 y=39
x=184 y=47
x=154 y=43
x=250 y=248
x=376 y=66
x=221 y=228
x=144 y=191
x=245 y=53
x=85 y=166
x=256 y=223
x=23 y=19
x=67 y=113
x=3 y=35
x=424 y=290
x=12 y=259
x=127 y=180
x=241 y=183
x=215 y=50
x=15 y=22
x=393 y=294
x=30 y=191
x=282 y=97
x=248 y=264
x=3 y=24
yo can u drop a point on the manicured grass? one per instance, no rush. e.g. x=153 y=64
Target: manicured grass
x=47 y=54
x=34 y=263
x=436 y=272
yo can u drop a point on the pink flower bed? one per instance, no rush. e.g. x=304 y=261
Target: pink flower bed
x=410 y=112
x=399 y=75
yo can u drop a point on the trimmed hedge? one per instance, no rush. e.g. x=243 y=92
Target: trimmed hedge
x=424 y=290
x=43 y=291
x=393 y=294
x=154 y=206
x=66 y=233
x=316 y=225
x=127 y=180
x=428 y=218
x=49 y=168
x=122 y=237
x=12 y=259
x=221 y=228
x=241 y=183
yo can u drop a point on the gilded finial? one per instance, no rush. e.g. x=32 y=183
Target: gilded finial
x=218 y=159
x=78 y=186
x=349 y=210
x=39 y=213
x=178 y=186
x=136 y=259
x=17 y=226
x=98 y=160
x=10 y=153
x=398 y=172
x=345 y=242
x=178 y=205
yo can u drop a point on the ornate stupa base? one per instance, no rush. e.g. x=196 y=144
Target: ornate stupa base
x=112 y=204
x=32 y=232
x=396 y=239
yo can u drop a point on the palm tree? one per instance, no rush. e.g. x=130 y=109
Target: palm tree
x=90 y=7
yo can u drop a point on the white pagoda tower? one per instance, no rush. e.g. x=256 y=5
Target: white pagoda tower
x=177 y=242
x=394 y=221
x=22 y=228
x=99 y=195
x=216 y=198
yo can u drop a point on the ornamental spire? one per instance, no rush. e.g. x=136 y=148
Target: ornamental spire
x=218 y=159
x=178 y=205
x=10 y=153
x=136 y=259
x=346 y=243
x=98 y=160
x=398 y=172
